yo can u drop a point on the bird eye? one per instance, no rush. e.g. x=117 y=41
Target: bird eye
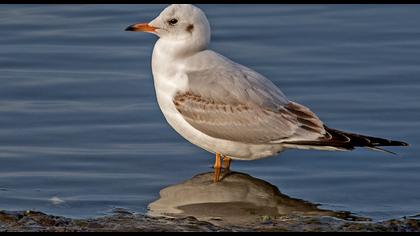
x=172 y=21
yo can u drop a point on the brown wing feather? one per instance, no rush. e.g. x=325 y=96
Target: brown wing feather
x=246 y=122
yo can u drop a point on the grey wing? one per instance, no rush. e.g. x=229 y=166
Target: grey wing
x=237 y=104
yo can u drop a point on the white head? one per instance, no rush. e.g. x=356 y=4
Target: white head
x=183 y=26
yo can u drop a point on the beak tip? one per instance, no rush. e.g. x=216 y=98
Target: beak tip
x=129 y=28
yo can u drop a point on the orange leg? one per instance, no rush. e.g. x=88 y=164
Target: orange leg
x=226 y=162
x=217 y=168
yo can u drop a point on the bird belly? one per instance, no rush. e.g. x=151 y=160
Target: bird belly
x=165 y=90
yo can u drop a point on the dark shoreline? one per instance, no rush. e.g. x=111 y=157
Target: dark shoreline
x=24 y=221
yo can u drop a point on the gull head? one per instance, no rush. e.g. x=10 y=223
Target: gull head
x=182 y=24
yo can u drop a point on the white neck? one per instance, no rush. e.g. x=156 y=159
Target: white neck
x=168 y=76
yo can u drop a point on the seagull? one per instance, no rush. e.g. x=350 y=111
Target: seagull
x=226 y=108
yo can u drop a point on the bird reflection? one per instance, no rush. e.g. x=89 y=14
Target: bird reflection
x=238 y=199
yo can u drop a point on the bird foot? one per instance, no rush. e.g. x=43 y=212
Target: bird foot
x=218 y=166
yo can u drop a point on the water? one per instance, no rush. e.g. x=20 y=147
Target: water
x=79 y=121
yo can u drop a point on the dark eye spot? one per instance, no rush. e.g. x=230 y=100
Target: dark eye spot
x=190 y=28
x=172 y=21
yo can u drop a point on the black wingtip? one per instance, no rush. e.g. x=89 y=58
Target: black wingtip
x=398 y=143
x=382 y=150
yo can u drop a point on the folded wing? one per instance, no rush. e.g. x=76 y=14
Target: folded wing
x=235 y=103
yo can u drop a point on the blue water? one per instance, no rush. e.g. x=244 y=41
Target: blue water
x=79 y=120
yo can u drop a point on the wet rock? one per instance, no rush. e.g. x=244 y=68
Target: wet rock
x=239 y=199
x=39 y=222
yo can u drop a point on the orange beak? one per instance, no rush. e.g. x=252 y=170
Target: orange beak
x=143 y=27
